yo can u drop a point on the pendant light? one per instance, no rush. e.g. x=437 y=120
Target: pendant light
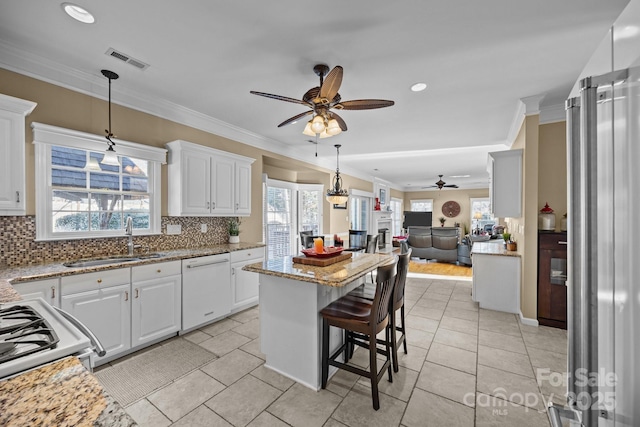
x=337 y=195
x=110 y=156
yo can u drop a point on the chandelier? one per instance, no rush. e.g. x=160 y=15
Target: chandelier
x=336 y=194
x=110 y=157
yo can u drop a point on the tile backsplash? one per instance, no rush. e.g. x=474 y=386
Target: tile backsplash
x=19 y=248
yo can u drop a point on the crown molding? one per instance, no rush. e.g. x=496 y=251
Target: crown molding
x=58 y=74
x=552 y=114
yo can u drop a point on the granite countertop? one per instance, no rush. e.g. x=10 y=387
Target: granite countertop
x=62 y=393
x=44 y=271
x=335 y=275
x=484 y=248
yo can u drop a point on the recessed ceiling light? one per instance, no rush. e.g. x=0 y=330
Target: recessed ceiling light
x=419 y=87
x=459 y=176
x=78 y=13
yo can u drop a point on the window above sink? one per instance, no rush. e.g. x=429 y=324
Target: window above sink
x=78 y=196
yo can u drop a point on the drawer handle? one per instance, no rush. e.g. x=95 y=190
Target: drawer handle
x=53 y=292
x=209 y=313
x=159 y=271
x=137 y=293
x=126 y=295
x=208 y=263
x=560 y=242
x=17 y=197
x=99 y=280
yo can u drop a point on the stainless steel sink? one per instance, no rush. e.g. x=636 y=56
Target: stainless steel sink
x=107 y=261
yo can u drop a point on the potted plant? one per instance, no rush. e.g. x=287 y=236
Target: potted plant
x=233 y=227
x=442 y=220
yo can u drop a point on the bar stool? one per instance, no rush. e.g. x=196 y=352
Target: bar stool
x=357 y=240
x=365 y=318
x=367 y=292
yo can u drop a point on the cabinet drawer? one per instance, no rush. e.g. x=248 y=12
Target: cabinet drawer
x=151 y=271
x=553 y=241
x=93 y=281
x=247 y=254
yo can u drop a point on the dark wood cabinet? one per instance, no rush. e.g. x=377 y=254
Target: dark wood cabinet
x=552 y=275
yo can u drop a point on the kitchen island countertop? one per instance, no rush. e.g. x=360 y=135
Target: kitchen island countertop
x=334 y=275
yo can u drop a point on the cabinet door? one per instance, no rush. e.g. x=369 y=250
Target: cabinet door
x=244 y=285
x=155 y=308
x=12 y=178
x=206 y=290
x=505 y=183
x=48 y=290
x=243 y=188
x=223 y=186
x=196 y=183
x=107 y=313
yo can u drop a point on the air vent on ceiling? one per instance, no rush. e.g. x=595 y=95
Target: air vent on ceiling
x=126 y=58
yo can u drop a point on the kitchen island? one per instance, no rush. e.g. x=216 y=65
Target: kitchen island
x=496 y=277
x=291 y=297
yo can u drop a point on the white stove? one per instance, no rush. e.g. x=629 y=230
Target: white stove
x=33 y=333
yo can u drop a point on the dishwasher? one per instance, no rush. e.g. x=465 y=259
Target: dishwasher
x=206 y=290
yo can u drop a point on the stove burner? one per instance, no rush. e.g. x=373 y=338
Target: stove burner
x=23 y=331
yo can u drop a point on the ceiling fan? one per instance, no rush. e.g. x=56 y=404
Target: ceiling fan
x=323 y=100
x=441 y=184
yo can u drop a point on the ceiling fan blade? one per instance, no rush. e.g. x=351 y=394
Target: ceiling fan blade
x=340 y=121
x=331 y=84
x=363 y=104
x=280 y=98
x=295 y=118
x=450 y=186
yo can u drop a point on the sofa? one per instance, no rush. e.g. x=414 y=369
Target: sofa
x=440 y=243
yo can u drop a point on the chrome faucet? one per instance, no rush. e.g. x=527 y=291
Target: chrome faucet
x=128 y=230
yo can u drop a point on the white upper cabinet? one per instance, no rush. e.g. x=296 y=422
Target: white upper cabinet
x=505 y=183
x=12 y=154
x=207 y=182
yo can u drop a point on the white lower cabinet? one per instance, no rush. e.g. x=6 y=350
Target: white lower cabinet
x=244 y=284
x=47 y=289
x=206 y=290
x=102 y=301
x=156 y=301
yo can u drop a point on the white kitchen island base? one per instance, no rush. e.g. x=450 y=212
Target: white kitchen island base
x=291 y=297
x=496 y=277
x=291 y=326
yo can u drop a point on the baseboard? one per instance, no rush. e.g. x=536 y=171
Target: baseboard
x=528 y=321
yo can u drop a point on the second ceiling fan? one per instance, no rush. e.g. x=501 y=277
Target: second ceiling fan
x=441 y=184
x=323 y=100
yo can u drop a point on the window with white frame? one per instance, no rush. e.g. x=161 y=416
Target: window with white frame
x=78 y=196
x=422 y=205
x=396 y=216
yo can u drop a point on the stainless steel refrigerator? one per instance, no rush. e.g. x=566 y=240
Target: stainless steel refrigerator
x=603 y=283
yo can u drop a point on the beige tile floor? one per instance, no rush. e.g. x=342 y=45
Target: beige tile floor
x=465 y=367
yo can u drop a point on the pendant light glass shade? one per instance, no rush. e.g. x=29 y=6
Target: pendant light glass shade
x=110 y=157
x=336 y=194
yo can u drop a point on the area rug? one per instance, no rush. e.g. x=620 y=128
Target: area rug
x=440 y=268
x=139 y=375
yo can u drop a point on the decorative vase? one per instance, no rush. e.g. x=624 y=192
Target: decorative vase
x=234 y=239
x=546 y=219
x=512 y=246
x=377 y=206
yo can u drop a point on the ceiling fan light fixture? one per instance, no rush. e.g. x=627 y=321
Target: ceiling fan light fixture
x=78 y=13
x=333 y=128
x=317 y=124
x=307 y=129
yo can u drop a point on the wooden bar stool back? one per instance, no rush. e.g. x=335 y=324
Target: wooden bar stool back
x=367 y=318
